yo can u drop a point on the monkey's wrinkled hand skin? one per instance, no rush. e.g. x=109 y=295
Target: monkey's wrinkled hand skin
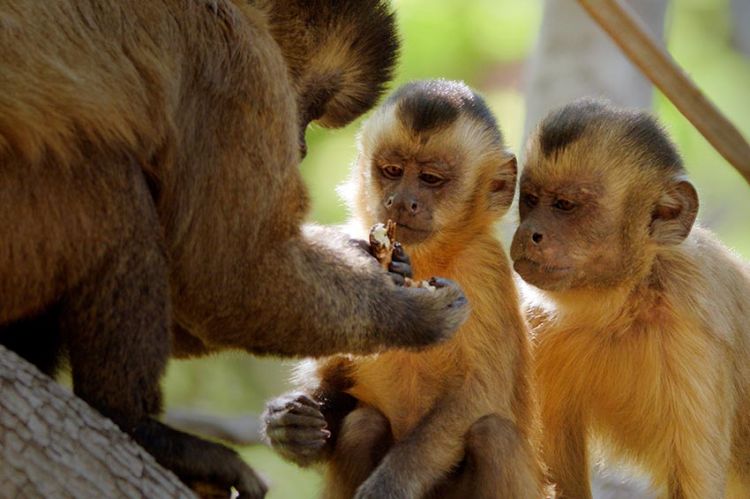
x=295 y=428
x=441 y=310
x=445 y=305
x=400 y=266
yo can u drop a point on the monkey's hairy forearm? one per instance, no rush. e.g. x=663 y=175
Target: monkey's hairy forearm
x=426 y=454
x=335 y=297
x=564 y=451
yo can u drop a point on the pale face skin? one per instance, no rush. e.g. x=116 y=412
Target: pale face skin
x=567 y=237
x=411 y=187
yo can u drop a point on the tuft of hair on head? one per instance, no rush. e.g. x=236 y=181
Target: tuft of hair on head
x=341 y=54
x=428 y=106
x=634 y=129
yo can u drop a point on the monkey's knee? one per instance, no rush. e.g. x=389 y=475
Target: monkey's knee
x=365 y=432
x=500 y=460
x=490 y=431
x=364 y=439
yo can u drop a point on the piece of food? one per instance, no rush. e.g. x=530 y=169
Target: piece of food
x=382 y=237
x=382 y=240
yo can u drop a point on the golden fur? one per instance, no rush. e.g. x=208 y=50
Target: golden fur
x=648 y=353
x=151 y=201
x=432 y=399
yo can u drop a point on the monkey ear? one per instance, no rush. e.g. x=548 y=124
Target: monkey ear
x=503 y=182
x=674 y=214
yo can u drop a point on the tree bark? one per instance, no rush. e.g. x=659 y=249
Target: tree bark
x=574 y=58
x=53 y=444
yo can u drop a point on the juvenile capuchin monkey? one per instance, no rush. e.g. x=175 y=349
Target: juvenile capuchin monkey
x=642 y=326
x=455 y=420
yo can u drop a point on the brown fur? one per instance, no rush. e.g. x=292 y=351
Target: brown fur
x=643 y=343
x=427 y=402
x=148 y=178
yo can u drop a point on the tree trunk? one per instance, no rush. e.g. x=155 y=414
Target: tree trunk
x=574 y=58
x=53 y=444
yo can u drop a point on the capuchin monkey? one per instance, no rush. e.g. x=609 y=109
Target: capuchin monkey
x=456 y=420
x=642 y=321
x=151 y=201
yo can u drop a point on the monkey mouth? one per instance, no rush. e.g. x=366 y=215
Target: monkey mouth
x=399 y=225
x=411 y=235
x=531 y=269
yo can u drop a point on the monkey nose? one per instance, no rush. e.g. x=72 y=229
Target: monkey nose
x=414 y=207
x=389 y=201
x=536 y=237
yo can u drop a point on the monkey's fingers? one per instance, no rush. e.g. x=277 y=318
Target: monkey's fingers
x=302 y=410
x=400 y=266
x=445 y=304
x=439 y=282
x=403 y=269
x=250 y=486
x=399 y=255
x=292 y=419
x=305 y=399
x=397 y=278
x=298 y=402
x=292 y=437
x=209 y=491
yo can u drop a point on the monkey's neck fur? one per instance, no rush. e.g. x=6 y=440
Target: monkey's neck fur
x=495 y=330
x=640 y=297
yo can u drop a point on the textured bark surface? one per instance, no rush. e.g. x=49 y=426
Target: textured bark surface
x=53 y=444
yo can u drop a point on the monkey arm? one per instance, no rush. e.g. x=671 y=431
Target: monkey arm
x=317 y=295
x=322 y=398
x=564 y=452
x=303 y=429
x=295 y=427
x=416 y=463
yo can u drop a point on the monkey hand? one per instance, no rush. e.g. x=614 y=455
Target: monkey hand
x=295 y=428
x=399 y=267
x=430 y=314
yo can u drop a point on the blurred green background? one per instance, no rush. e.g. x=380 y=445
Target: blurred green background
x=485 y=43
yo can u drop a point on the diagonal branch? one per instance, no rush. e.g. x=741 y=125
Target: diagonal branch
x=627 y=30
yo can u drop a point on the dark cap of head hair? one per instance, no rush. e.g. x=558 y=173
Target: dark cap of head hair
x=567 y=124
x=430 y=105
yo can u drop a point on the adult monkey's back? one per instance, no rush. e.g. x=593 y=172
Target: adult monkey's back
x=149 y=182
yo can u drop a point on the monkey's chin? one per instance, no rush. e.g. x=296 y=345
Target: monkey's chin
x=409 y=235
x=542 y=276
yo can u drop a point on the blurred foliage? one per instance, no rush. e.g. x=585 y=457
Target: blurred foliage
x=484 y=42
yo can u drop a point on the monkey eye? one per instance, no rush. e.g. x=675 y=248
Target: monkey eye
x=564 y=205
x=430 y=179
x=530 y=200
x=392 y=171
